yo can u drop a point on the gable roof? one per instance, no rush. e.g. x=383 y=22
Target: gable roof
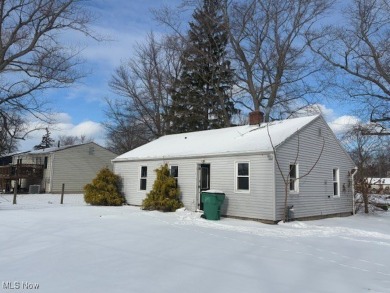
x=56 y=149
x=224 y=141
x=51 y=150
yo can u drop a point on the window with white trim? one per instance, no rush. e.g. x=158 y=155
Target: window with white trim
x=293 y=177
x=336 y=182
x=174 y=171
x=143 y=177
x=242 y=175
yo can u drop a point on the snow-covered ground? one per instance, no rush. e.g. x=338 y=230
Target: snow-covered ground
x=79 y=248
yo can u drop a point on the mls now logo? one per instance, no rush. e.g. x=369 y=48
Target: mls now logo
x=20 y=285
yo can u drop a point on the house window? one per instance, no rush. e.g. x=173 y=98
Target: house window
x=294 y=181
x=336 y=182
x=91 y=151
x=45 y=162
x=19 y=161
x=174 y=171
x=144 y=175
x=242 y=174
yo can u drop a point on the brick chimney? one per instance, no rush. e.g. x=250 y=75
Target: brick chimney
x=256 y=117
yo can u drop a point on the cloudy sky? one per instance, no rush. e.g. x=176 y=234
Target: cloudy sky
x=80 y=108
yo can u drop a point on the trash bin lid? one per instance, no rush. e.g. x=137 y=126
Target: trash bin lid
x=212 y=191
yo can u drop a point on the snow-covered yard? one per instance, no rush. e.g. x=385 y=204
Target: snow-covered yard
x=79 y=248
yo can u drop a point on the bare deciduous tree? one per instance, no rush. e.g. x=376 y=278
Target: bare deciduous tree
x=360 y=49
x=273 y=65
x=32 y=58
x=144 y=85
x=65 y=140
x=366 y=152
x=124 y=131
x=15 y=125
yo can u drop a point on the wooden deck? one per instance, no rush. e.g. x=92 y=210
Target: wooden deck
x=21 y=171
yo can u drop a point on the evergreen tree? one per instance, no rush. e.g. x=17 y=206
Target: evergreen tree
x=104 y=190
x=201 y=97
x=46 y=142
x=165 y=195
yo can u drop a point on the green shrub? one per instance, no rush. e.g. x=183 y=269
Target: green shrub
x=165 y=195
x=104 y=190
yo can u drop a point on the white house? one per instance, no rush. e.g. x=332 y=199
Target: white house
x=240 y=161
x=49 y=168
x=379 y=183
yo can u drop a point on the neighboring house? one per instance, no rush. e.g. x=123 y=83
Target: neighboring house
x=379 y=184
x=240 y=162
x=74 y=166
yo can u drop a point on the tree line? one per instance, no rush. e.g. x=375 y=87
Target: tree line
x=276 y=56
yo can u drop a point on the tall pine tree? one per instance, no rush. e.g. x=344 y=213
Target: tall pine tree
x=47 y=141
x=201 y=97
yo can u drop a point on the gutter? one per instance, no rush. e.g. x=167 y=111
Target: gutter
x=197 y=156
x=353 y=173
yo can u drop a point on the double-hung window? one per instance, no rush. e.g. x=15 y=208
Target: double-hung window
x=336 y=182
x=143 y=177
x=294 y=178
x=242 y=177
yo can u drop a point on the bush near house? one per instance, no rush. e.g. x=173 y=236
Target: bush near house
x=165 y=195
x=104 y=190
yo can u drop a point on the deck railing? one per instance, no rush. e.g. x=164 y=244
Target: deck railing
x=21 y=171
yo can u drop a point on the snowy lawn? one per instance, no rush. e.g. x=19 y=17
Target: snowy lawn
x=79 y=248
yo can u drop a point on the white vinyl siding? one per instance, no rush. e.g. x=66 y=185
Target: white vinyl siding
x=258 y=203
x=75 y=167
x=265 y=197
x=315 y=190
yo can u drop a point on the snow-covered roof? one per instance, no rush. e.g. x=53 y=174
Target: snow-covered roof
x=224 y=141
x=13 y=154
x=53 y=149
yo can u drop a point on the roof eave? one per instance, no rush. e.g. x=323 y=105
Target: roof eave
x=195 y=156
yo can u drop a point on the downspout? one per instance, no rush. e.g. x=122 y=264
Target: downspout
x=353 y=173
x=51 y=171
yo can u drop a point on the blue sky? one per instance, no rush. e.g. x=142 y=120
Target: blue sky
x=79 y=110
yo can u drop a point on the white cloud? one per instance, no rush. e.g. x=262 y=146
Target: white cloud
x=88 y=128
x=339 y=124
x=62 y=118
x=63 y=127
x=314 y=109
x=343 y=123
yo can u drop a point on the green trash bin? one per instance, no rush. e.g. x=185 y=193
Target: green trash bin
x=212 y=201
